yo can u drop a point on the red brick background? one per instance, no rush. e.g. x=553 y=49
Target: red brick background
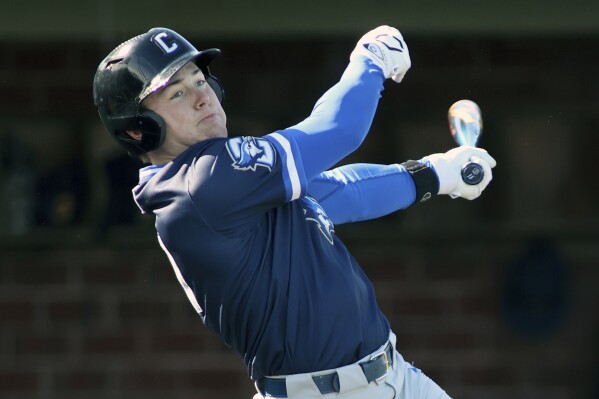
x=102 y=323
x=90 y=308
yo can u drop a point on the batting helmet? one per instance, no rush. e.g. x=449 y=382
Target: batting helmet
x=134 y=70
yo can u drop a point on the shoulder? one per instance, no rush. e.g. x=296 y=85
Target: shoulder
x=250 y=153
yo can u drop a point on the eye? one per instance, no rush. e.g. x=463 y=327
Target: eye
x=200 y=83
x=176 y=94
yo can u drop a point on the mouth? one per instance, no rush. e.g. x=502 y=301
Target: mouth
x=207 y=118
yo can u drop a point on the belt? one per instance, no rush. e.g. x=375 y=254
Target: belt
x=375 y=368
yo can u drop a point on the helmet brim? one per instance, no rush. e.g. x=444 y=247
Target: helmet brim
x=201 y=58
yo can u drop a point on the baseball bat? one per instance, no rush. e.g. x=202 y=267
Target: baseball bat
x=466 y=127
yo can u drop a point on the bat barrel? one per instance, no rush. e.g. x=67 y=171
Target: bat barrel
x=465 y=122
x=465 y=125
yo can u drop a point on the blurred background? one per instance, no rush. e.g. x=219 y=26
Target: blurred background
x=493 y=298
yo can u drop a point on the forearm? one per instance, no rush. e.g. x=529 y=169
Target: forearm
x=362 y=191
x=357 y=192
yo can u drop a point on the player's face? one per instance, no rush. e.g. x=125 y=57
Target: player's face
x=190 y=109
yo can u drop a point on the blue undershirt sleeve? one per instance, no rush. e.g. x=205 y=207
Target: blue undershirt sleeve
x=339 y=121
x=362 y=191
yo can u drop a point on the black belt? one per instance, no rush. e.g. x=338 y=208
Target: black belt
x=375 y=369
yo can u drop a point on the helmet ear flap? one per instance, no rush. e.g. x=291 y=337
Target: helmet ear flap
x=150 y=124
x=217 y=87
x=153 y=129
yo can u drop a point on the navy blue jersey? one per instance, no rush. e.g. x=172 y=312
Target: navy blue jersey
x=241 y=222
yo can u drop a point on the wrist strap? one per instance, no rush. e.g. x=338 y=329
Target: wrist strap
x=425 y=179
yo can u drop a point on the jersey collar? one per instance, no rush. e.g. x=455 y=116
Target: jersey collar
x=147 y=172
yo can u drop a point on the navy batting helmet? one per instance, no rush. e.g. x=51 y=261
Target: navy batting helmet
x=134 y=70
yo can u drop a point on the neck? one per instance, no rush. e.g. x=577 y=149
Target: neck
x=165 y=154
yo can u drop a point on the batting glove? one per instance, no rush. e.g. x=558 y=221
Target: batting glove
x=387 y=49
x=448 y=167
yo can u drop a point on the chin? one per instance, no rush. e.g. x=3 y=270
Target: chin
x=217 y=133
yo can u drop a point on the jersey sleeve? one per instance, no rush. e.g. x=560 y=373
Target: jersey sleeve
x=237 y=179
x=358 y=192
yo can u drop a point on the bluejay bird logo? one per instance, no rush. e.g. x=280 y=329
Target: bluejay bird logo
x=314 y=213
x=248 y=153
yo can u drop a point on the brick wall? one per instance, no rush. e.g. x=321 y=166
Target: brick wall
x=447 y=305
x=84 y=313
x=100 y=323
x=105 y=323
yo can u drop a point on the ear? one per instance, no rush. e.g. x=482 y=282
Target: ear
x=135 y=134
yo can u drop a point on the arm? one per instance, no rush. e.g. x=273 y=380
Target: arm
x=342 y=117
x=366 y=191
x=362 y=191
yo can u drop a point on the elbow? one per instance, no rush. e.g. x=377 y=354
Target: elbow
x=352 y=137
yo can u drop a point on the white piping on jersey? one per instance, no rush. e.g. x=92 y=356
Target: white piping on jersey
x=190 y=295
x=290 y=165
x=147 y=172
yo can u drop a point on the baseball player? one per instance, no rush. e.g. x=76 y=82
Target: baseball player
x=248 y=223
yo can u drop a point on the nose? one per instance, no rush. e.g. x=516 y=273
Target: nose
x=202 y=97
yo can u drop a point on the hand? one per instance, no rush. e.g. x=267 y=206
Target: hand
x=448 y=167
x=387 y=49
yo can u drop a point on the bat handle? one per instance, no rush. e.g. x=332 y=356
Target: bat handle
x=472 y=173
